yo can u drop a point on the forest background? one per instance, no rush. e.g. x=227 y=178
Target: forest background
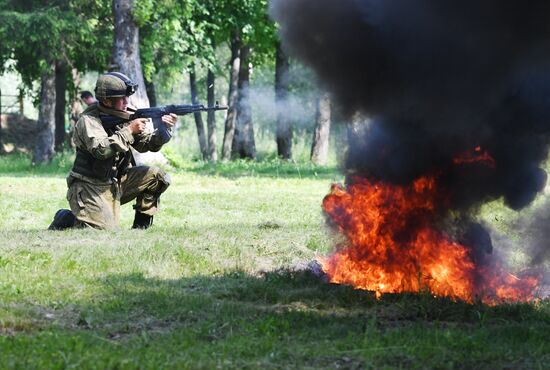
x=179 y=52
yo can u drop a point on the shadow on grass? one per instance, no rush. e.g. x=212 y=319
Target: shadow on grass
x=301 y=293
x=283 y=319
x=307 y=321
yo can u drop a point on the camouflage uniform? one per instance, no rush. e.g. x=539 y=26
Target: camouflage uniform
x=103 y=177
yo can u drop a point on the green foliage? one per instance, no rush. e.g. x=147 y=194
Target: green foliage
x=250 y=20
x=177 y=33
x=165 y=42
x=174 y=34
x=39 y=32
x=90 y=47
x=45 y=31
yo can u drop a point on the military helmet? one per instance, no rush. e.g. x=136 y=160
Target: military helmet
x=114 y=85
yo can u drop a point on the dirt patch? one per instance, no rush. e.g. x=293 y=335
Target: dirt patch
x=17 y=133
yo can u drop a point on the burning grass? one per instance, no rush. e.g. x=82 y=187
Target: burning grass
x=398 y=239
x=392 y=246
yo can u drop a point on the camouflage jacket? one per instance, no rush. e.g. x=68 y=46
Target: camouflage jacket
x=102 y=155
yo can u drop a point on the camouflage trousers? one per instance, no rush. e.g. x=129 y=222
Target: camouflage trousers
x=98 y=204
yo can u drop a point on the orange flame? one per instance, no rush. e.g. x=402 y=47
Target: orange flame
x=477 y=156
x=392 y=246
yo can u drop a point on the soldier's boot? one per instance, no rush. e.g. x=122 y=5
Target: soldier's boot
x=62 y=220
x=142 y=221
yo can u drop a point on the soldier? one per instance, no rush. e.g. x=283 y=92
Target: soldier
x=87 y=98
x=104 y=175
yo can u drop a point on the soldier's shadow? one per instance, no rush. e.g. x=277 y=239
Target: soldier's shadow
x=289 y=302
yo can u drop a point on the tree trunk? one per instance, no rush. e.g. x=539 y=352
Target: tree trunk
x=60 y=103
x=45 y=128
x=126 y=58
x=151 y=93
x=1 y=140
x=319 y=147
x=21 y=103
x=211 y=116
x=284 y=128
x=231 y=118
x=76 y=105
x=243 y=141
x=198 y=118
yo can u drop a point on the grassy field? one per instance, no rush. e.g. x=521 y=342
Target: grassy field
x=218 y=283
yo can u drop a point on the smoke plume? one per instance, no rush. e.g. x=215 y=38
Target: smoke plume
x=437 y=79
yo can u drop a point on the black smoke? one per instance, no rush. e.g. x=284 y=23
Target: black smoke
x=437 y=79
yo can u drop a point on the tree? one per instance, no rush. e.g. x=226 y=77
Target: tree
x=2 y=149
x=126 y=49
x=175 y=41
x=243 y=25
x=44 y=148
x=284 y=128
x=244 y=145
x=60 y=103
x=126 y=58
x=151 y=92
x=181 y=33
x=231 y=118
x=319 y=147
x=197 y=115
x=211 y=116
x=42 y=32
x=4 y=56
x=35 y=58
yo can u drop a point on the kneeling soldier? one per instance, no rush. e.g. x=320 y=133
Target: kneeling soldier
x=104 y=175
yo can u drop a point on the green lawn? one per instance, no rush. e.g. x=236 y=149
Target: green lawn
x=217 y=283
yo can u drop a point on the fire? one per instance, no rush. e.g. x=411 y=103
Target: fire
x=392 y=246
x=476 y=156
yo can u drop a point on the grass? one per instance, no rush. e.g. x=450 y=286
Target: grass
x=217 y=283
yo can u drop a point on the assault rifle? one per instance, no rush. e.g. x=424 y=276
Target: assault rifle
x=155 y=113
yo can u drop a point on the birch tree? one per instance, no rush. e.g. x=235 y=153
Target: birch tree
x=319 y=147
x=284 y=127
